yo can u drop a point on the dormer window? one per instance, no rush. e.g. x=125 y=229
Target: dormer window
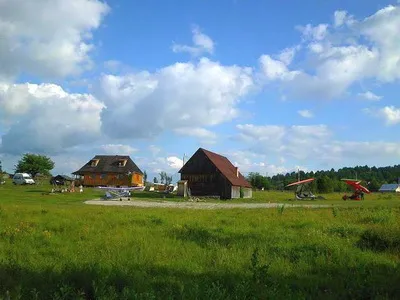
x=94 y=162
x=122 y=163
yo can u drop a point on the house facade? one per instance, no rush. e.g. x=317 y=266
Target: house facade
x=210 y=174
x=390 y=188
x=110 y=170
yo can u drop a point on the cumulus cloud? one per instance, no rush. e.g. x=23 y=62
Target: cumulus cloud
x=47 y=38
x=390 y=114
x=305 y=113
x=340 y=55
x=46 y=119
x=175 y=162
x=314 y=145
x=202 y=44
x=182 y=95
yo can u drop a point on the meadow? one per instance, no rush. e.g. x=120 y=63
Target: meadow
x=56 y=247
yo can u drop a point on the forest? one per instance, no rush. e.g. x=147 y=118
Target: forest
x=329 y=181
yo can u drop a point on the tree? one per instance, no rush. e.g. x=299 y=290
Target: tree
x=145 y=176
x=1 y=170
x=324 y=184
x=155 y=180
x=162 y=176
x=34 y=164
x=168 y=179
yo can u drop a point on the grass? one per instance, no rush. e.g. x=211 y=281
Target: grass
x=55 y=247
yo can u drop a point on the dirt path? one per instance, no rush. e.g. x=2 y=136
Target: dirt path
x=195 y=205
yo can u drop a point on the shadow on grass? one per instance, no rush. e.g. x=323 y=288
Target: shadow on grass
x=155 y=282
x=204 y=237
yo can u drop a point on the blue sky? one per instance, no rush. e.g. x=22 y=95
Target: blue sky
x=274 y=87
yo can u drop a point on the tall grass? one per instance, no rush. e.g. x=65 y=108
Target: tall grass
x=58 y=248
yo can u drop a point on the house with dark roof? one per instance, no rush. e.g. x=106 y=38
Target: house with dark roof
x=110 y=170
x=210 y=174
x=390 y=188
x=61 y=179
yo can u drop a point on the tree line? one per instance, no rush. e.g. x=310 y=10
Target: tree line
x=330 y=181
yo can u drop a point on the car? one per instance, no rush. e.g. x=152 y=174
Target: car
x=22 y=178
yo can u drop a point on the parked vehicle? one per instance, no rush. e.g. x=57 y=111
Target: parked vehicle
x=22 y=178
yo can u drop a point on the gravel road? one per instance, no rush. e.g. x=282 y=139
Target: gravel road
x=195 y=205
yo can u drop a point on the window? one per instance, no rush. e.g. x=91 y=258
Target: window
x=103 y=176
x=94 y=162
x=122 y=163
x=92 y=176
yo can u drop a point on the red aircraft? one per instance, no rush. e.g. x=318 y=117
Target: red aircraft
x=302 y=193
x=359 y=190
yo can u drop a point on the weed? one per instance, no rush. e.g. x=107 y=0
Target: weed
x=280 y=209
x=259 y=271
x=335 y=211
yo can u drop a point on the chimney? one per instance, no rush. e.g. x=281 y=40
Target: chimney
x=237 y=171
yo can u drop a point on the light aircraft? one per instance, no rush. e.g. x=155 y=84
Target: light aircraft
x=359 y=190
x=303 y=191
x=119 y=192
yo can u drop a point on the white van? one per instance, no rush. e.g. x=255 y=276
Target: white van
x=23 y=178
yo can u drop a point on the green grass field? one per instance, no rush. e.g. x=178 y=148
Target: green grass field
x=56 y=247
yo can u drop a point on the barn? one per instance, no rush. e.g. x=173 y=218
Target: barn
x=390 y=188
x=210 y=174
x=110 y=170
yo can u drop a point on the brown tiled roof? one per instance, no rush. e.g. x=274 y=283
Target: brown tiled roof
x=109 y=164
x=226 y=168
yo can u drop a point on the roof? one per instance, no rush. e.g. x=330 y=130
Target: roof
x=65 y=177
x=109 y=164
x=389 y=187
x=226 y=168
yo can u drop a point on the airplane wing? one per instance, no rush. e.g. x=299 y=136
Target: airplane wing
x=301 y=182
x=355 y=184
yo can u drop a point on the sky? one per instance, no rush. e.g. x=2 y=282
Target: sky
x=274 y=87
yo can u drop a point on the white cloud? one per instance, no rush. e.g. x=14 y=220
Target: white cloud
x=182 y=95
x=175 y=162
x=305 y=113
x=368 y=95
x=197 y=132
x=390 y=114
x=286 y=56
x=315 y=33
x=46 y=119
x=47 y=38
x=154 y=150
x=118 y=149
x=202 y=43
x=276 y=69
x=341 y=18
x=341 y=55
x=314 y=147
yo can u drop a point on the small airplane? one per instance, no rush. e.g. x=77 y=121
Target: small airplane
x=302 y=190
x=119 y=192
x=359 y=190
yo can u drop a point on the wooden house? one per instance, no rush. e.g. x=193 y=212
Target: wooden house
x=211 y=174
x=110 y=170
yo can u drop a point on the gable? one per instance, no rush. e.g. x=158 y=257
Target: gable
x=202 y=159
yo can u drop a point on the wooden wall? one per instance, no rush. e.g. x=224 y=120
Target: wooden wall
x=98 y=179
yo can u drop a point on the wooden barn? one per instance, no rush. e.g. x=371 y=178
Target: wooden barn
x=211 y=174
x=110 y=170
